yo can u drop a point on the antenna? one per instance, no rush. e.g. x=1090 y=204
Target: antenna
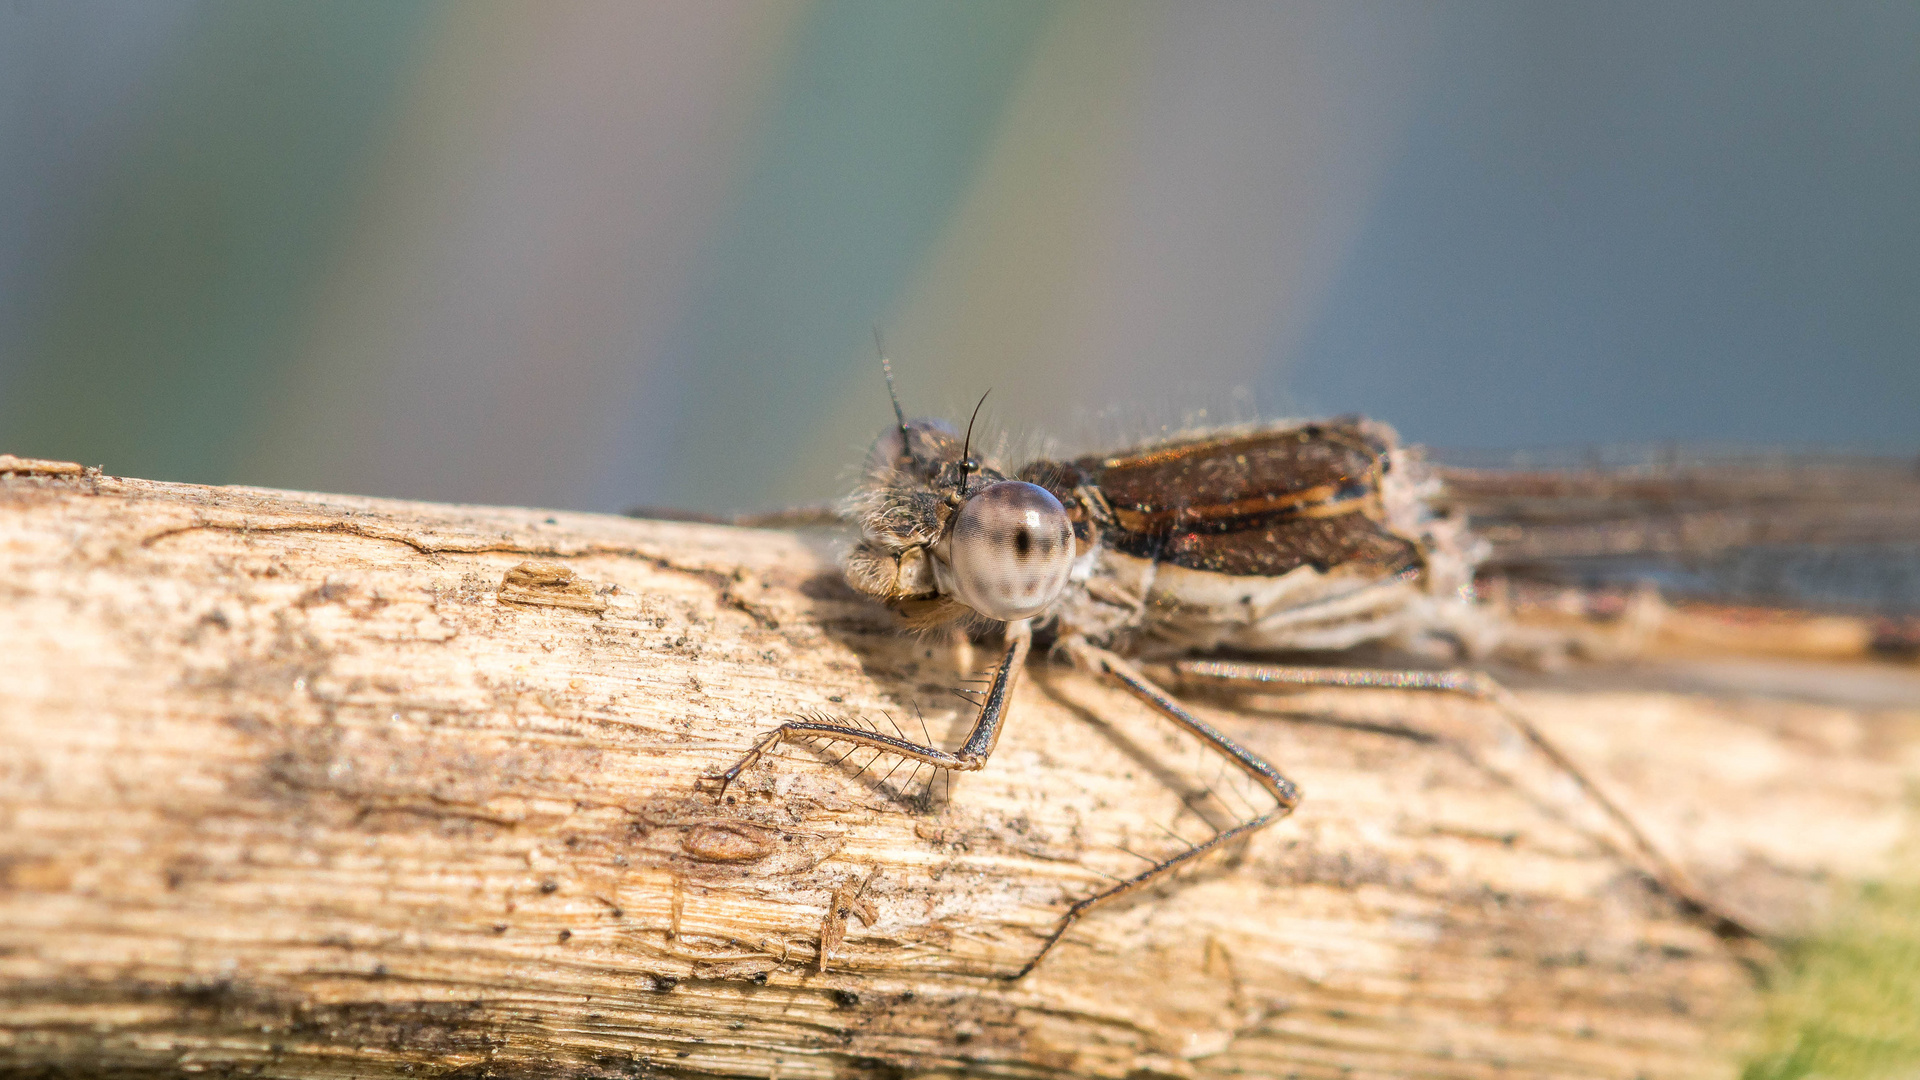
x=899 y=415
x=966 y=447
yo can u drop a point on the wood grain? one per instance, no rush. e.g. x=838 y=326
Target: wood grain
x=306 y=785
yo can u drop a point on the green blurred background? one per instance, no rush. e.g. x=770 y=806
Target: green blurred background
x=591 y=255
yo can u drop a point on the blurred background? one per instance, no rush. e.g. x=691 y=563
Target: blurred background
x=592 y=255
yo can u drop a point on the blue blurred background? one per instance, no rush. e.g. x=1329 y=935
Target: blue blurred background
x=590 y=255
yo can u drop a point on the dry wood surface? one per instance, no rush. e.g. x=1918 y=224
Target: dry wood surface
x=308 y=785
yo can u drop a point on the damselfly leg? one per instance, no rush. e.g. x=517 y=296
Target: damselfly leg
x=1285 y=795
x=971 y=756
x=1632 y=843
x=985 y=733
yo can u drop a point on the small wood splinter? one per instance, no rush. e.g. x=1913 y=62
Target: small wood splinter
x=845 y=903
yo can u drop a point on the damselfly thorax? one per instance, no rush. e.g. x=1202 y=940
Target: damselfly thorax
x=1264 y=539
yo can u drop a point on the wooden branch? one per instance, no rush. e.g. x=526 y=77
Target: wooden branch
x=303 y=785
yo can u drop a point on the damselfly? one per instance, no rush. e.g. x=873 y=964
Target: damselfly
x=1257 y=539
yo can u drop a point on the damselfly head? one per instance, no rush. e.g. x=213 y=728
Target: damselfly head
x=943 y=534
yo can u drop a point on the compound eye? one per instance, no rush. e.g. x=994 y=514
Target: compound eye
x=924 y=440
x=1012 y=549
